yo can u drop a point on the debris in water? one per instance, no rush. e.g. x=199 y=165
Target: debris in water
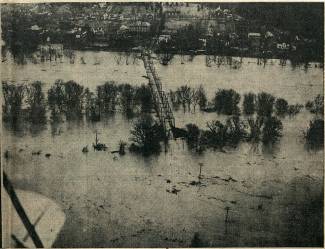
x=47 y=155
x=173 y=191
x=85 y=149
x=194 y=183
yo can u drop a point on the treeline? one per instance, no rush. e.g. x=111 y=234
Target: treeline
x=71 y=101
x=261 y=122
x=226 y=101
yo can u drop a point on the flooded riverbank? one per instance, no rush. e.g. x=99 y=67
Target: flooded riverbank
x=135 y=201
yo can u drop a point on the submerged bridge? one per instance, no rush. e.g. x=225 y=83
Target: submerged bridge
x=160 y=98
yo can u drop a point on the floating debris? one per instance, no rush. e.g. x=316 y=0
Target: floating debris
x=36 y=152
x=85 y=149
x=173 y=191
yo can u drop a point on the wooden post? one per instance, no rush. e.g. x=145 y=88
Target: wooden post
x=201 y=165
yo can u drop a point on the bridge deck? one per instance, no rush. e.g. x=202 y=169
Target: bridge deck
x=160 y=98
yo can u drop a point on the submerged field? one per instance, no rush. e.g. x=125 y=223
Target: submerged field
x=248 y=196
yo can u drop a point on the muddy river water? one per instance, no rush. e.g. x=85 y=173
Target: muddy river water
x=273 y=196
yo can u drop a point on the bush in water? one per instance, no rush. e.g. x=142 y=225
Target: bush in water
x=294 y=109
x=317 y=105
x=281 y=107
x=249 y=103
x=226 y=101
x=215 y=136
x=265 y=104
x=193 y=135
x=315 y=133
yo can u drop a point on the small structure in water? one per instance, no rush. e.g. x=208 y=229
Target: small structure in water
x=99 y=146
x=82 y=60
x=85 y=149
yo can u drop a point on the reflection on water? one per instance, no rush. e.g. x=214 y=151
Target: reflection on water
x=272 y=194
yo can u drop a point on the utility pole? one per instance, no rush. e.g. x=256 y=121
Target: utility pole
x=226 y=220
x=200 y=176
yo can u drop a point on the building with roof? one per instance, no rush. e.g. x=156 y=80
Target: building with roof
x=139 y=27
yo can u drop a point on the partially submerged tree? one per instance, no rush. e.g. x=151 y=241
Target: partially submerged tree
x=185 y=96
x=146 y=136
x=73 y=100
x=193 y=135
x=144 y=98
x=265 y=104
x=127 y=99
x=294 y=109
x=36 y=106
x=235 y=130
x=255 y=129
x=226 y=101
x=317 y=105
x=249 y=103
x=272 y=130
x=92 y=108
x=216 y=135
x=200 y=97
x=315 y=133
x=281 y=107
x=107 y=97
x=13 y=96
x=55 y=100
x=174 y=100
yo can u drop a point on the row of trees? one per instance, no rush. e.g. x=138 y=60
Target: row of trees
x=267 y=129
x=226 y=101
x=188 y=98
x=71 y=101
x=265 y=126
x=18 y=96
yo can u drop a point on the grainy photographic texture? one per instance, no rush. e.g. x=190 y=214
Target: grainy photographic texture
x=162 y=124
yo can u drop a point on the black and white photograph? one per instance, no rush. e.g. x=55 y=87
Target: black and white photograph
x=162 y=124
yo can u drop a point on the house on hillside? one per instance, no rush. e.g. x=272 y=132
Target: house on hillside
x=139 y=27
x=254 y=40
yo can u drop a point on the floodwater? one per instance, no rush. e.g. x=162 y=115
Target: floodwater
x=274 y=196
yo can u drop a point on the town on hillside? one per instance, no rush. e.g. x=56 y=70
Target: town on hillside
x=184 y=28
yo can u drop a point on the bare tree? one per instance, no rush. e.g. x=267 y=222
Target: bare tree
x=185 y=96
